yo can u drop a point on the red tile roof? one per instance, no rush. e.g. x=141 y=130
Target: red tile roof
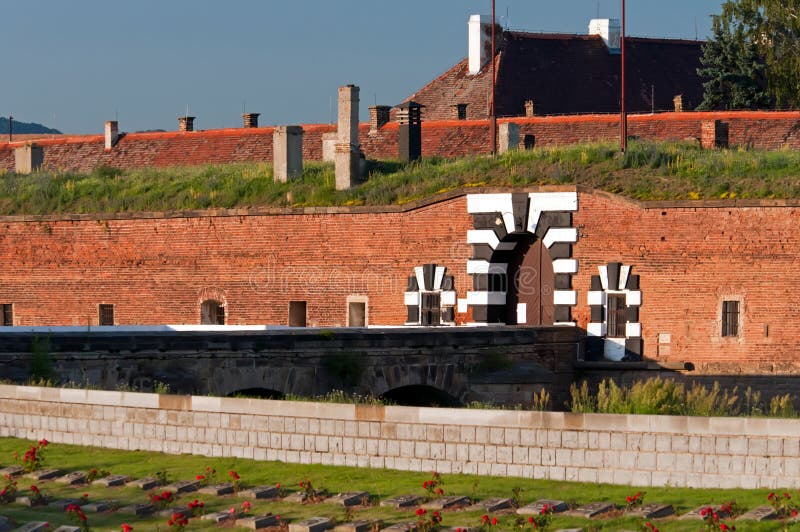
x=569 y=74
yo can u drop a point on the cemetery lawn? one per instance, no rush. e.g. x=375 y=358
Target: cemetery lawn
x=380 y=483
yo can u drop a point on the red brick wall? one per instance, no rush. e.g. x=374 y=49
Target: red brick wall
x=158 y=270
x=691 y=256
x=451 y=138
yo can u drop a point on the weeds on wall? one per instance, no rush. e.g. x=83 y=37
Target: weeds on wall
x=657 y=396
x=42 y=372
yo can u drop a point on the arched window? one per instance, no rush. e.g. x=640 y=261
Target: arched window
x=212 y=312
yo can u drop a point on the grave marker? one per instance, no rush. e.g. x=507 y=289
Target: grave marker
x=350 y=498
x=260 y=492
x=147 y=483
x=315 y=524
x=592 y=510
x=761 y=513
x=652 y=511
x=494 y=504
x=445 y=503
x=72 y=479
x=138 y=509
x=111 y=481
x=43 y=474
x=182 y=486
x=254 y=522
x=355 y=526
x=401 y=501
x=225 y=488
x=535 y=508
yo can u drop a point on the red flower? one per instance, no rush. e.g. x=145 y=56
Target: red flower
x=771 y=496
x=200 y=477
x=126 y=527
x=43 y=443
x=723 y=526
x=420 y=511
x=439 y=491
x=494 y=521
x=34 y=489
x=484 y=519
x=530 y=519
x=794 y=512
x=278 y=485
x=233 y=474
x=246 y=506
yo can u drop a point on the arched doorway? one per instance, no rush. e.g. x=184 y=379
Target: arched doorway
x=531 y=283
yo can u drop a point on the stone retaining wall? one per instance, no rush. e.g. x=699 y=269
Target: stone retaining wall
x=619 y=449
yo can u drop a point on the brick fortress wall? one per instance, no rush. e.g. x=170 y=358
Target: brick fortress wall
x=616 y=449
x=158 y=268
x=768 y=130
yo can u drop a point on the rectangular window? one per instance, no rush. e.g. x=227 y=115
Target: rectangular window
x=106 y=314
x=356 y=314
x=461 y=111
x=616 y=315
x=730 y=318
x=297 y=313
x=8 y=315
x=431 y=311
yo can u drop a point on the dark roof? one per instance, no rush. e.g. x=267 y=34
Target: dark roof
x=570 y=74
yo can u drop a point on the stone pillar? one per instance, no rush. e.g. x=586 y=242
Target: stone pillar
x=507 y=137
x=28 y=159
x=287 y=152
x=346 y=158
x=713 y=134
x=529 y=110
x=111 y=134
x=250 y=120
x=186 y=123
x=378 y=117
x=677 y=101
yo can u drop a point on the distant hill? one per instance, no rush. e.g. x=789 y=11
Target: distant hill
x=25 y=128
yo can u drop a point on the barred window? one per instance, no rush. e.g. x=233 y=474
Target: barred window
x=730 y=318
x=8 y=315
x=106 y=314
x=617 y=315
x=431 y=311
x=212 y=313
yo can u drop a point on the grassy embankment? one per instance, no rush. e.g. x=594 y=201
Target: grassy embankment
x=379 y=483
x=648 y=171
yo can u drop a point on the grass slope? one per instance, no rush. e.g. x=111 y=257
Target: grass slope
x=647 y=171
x=380 y=483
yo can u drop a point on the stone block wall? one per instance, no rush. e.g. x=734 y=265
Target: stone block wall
x=618 y=449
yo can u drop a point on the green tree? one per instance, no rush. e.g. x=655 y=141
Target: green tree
x=733 y=71
x=773 y=28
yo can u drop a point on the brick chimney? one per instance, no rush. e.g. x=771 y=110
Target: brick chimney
x=111 y=134
x=677 y=101
x=186 y=123
x=609 y=29
x=378 y=116
x=250 y=120
x=529 y=110
x=480 y=41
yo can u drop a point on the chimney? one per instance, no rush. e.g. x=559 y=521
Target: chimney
x=479 y=29
x=186 y=123
x=346 y=148
x=610 y=31
x=409 y=116
x=287 y=152
x=677 y=101
x=508 y=137
x=112 y=134
x=378 y=116
x=529 y=110
x=250 y=120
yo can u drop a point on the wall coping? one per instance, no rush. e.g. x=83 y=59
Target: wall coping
x=402 y=208
x=695 y=426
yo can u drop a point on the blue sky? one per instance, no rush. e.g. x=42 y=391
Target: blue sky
x=74 y=64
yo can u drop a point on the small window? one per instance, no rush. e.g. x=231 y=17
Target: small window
x=431 y=311
x=8 y=315
x=212 y=313
x=356 y=314
x=730 y=318
x=106 y=314
x=498 y=282
x=529 y=141
x=297 y=313
x=616 y=315
x=461 y=111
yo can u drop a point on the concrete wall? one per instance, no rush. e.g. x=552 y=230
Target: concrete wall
x=619 y=449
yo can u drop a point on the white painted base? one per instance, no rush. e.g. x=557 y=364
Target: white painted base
x=614 y=349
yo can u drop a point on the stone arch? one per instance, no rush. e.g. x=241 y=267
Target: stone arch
x=446 y=378
x=500 y=222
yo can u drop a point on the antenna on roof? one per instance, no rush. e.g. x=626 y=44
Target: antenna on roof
x=695 y=28
x=244 y=106
x=330 y=109
x=598 y=8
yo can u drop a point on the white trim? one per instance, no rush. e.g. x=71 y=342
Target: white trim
x=522 y=312
x=596 y=329
x=560 y=234
x=489 y=203
x=565 y=324
x=411 y=299
x=565 y=297
x=420 y=273
x=633 y=330
x=486 y=298
x=633 y=298
x=596 y=297
x=549 y=201
x=614 y=349
x=624 y=272
x=484 y=266
x=565 y=266
x=448 y=298
x=462 y=305
x=481 y=324
x=483 y=236
x=603 y=276
x=437 y=277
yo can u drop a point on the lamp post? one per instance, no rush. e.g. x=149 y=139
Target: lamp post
x=10 y=127
x=623 y=116
x=493 y=117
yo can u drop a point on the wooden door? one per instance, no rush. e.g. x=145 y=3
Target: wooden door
x=531 y=283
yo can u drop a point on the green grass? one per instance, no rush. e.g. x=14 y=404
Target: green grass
x=647 y=171
x=380 y=483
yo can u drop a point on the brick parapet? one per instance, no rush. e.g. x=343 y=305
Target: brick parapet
x=619 y=449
